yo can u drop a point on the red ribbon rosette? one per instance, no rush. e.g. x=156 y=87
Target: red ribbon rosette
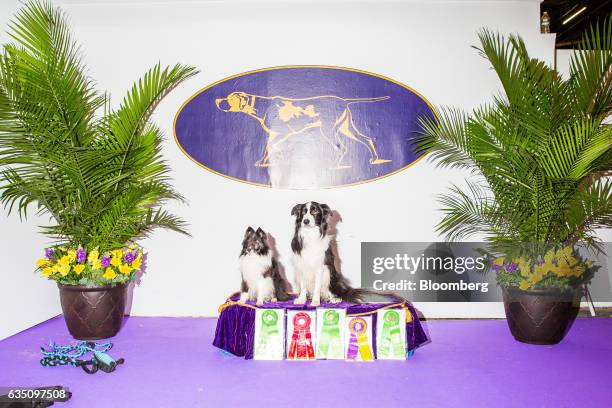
x=301 y=347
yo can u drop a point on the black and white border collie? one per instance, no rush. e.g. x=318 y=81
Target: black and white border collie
x=316 y=276
x=261 y=277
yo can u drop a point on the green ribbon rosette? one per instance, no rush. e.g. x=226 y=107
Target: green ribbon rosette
x=269 y=329
x=330 y=343
x=391 y=344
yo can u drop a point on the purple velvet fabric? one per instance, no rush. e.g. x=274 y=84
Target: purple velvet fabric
x=236 y=325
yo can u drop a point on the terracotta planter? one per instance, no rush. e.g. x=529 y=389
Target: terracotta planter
x=93 y=313
x=540 y=316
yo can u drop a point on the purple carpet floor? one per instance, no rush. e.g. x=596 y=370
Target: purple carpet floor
x=170 y=363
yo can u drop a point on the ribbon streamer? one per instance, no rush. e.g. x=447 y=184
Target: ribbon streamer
x=330 y=336
x=391 y=344
x=269 y=328
x=301 y=340
x=358 y=343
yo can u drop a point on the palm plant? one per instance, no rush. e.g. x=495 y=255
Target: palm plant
x=539 y=151
x=96 y=171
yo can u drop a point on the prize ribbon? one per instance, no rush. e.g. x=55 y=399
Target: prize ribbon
x=301 y=339
x=330 y=335
x=358 y=343
x=391 y=344
x=269 y=328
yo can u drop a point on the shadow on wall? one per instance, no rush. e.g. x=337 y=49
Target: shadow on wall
x=130 y=292
x=281 y=268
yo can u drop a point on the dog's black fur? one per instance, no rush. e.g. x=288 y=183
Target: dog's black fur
x=339 y=285
x=257 y=241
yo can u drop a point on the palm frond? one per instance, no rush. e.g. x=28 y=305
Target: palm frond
x=541 y=147
x=591 y=71
x=102 y=180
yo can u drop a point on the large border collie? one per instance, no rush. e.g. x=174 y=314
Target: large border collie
x=316 y=276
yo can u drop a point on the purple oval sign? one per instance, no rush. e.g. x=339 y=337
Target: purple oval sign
x=302 y=127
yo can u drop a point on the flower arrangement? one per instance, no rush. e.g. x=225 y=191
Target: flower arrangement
x=70 y=266
x=561 y=268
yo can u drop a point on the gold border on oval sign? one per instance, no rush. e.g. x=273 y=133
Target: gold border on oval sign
x=290 y=67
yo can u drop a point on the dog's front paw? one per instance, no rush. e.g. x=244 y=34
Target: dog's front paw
x=299 y=301
x=259 y=302
x=334 y=299
x=315 y=302
x=274 y=299
x=243 y=297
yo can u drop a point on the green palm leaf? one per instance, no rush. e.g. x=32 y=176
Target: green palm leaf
x=541 y=147
x=101 y=179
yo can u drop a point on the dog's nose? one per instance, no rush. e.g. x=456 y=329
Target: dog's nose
x=306 y=221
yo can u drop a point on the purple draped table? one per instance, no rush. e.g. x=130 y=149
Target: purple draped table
x=236 y=325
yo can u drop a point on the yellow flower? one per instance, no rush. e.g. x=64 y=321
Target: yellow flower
x=578 y=270
x=41 y=262
x=93 y=256
x=63 y=269
x=116 y=256
x=125 y=269
x=565 y=252
x=498 y=261
x=549 y=257
x=78 y=269
x=65 y=260
x=47 y=271
x=535 y=278
x=96 y=264
x=542 y=269
x=524 y=265
x=588 y=263
x=71 y=255
x=524 y=285
x=109 y=274
x=136 y=263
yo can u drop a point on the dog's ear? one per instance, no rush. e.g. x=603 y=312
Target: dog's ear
x=326 y=210
x=296 y=209
x=249 y=231
x=261 y=233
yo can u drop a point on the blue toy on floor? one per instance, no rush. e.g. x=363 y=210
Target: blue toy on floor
x=64 y=355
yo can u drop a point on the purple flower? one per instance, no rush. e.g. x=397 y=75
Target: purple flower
x=80 y=255
x=129 y=257
x=540 y=261
x=511 y=267
x=105 y=261
x=496 y=267
x=49 y=253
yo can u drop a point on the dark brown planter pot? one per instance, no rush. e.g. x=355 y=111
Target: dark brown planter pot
x=542 y=316
x=93 y=313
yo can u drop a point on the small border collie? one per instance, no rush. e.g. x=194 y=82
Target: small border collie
x=261 y=277
x=316 y=276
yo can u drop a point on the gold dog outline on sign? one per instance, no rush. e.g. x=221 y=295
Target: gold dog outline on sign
x=281 y=118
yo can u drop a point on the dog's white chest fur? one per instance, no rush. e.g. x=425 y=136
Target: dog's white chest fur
x=252 y=269
x=253 y=266
x=309 y=264
x=312 y=255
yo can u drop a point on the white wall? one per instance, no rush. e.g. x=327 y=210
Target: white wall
x=25 y=298
x=424 y=44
